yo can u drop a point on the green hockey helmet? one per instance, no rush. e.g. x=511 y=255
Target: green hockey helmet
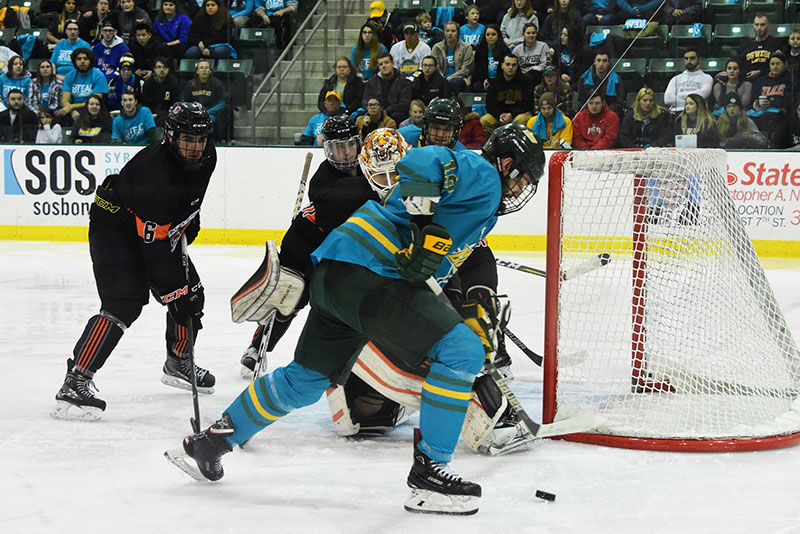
x=519 y=182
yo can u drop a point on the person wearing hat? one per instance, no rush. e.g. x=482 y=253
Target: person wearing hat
x=551 y=127
x=109 y=50
x=774 y=96
x=312 y=135
x=378 y=20
x=455 y=58
x=276 y=14
x=552 y=83
x=408 y=53
x=691 y=81
x=124 y=81
x=736 y=129
x=91 y=22
x=62 y=53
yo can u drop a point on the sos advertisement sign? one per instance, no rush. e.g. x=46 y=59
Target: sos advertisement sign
x=54 y=185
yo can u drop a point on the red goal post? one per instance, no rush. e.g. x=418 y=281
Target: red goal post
x=687 y=348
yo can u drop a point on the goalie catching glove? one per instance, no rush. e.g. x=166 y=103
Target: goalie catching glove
x=424 y=255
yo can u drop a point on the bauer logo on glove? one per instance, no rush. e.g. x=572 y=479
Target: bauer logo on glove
x=424 y=255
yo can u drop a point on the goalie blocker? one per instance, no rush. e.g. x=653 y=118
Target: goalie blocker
x=271 y=288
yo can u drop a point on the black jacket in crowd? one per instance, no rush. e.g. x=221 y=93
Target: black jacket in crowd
x=23 y=129
x=353 y=92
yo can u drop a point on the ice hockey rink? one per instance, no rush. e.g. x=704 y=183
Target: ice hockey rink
x=298 y=476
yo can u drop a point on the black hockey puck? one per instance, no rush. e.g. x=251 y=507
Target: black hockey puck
x=545 y=495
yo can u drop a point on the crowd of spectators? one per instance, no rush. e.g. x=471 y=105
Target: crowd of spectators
x=546 y=65
x=538 y=63
x=105 y=70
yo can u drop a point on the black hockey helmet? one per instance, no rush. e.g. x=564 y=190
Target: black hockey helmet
x=444 y=112
x=187 y=118
x=519 y=183
x=341 y=142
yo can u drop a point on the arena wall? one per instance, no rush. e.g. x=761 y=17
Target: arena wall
x=48 y=189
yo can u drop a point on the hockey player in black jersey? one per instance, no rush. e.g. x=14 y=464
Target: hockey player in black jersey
x=136 y=223
x=336 y=190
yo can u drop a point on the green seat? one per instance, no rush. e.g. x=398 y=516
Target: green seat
x=630 y=98
x=257 y=44
x=647 y=47
x=780 y=30
x=724 y=12
x=32 y=5
x=187 y=68
x=66 y=136
x=728 y=37
x=683 y=36
x=605 y=30
x=771 y=8
x=412 y=7
x=6 y=35
x=457 y=4
x=40 y=33
x=237 y=76
x=631 y=71
x=471 y=99
x=660 y=70
x=712 y=65
x=33 y=64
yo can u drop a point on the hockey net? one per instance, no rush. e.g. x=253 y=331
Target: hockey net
x=686 y=346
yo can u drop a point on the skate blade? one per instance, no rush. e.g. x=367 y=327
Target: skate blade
x=429 y=502
x=182 y=461
x=182 y=384
x=70 y=412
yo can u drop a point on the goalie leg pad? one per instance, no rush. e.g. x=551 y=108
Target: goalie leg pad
x=489 y=427
x=387 y=378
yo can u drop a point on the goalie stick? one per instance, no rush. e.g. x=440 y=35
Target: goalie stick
x=537 y=430
x=261 y=361
x=582 y=268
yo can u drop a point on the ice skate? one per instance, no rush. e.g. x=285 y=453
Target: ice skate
x=205 y=448
x=437 y=489
x=177 y=373
x=248 y=361
x=75 y=400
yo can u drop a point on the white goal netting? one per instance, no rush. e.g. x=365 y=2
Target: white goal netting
x=682 y=334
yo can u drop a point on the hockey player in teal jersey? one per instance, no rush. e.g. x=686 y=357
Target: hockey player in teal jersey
x=369 y=285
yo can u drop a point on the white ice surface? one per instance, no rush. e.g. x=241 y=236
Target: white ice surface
x=297 y=475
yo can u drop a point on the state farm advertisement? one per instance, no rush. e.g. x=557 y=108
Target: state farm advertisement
x=766 y=191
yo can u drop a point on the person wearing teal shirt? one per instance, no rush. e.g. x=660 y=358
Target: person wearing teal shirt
x=134 y=124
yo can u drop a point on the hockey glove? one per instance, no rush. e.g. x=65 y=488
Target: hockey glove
x=424 y=255
x=184 y=304
x=476 y=318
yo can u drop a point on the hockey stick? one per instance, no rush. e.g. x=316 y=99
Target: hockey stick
x=195 y=421
x=570 y=359
x=261 y=361
x=566 y=426
x=582 y=268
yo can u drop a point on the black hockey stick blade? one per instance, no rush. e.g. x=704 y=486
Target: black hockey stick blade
x=535 y=358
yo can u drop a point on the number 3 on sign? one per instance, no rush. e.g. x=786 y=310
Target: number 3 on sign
x=796 y=219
